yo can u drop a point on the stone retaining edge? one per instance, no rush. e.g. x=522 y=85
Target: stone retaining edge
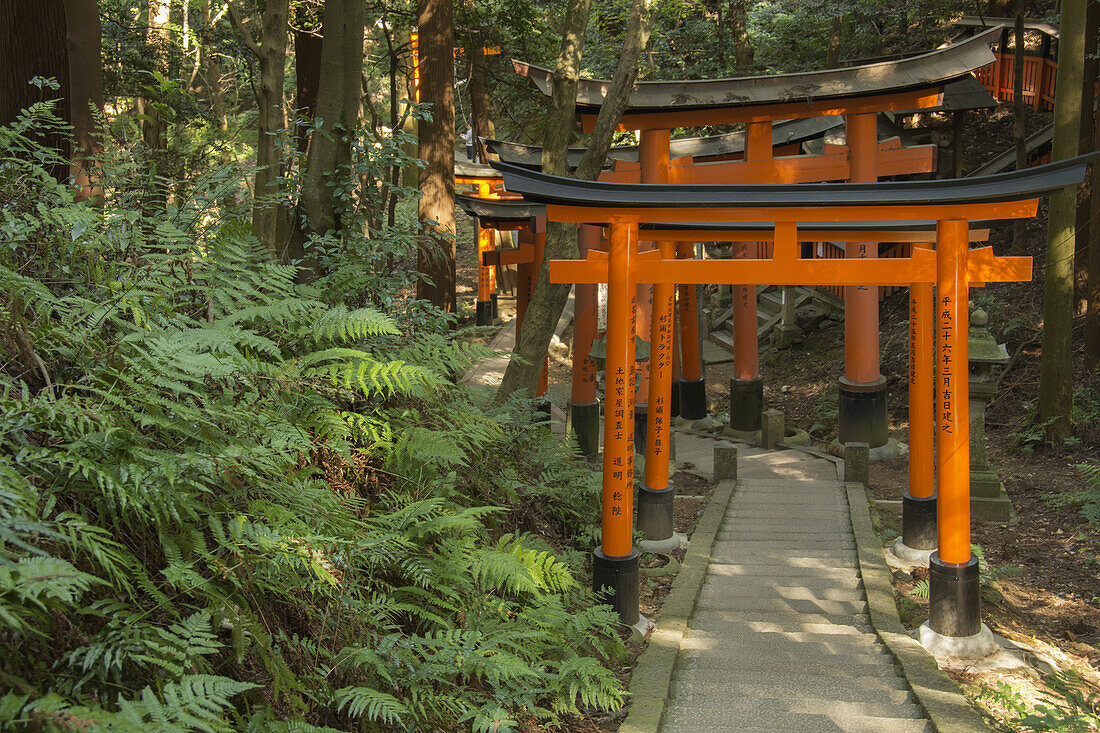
x=936 y=693
x=651 y=681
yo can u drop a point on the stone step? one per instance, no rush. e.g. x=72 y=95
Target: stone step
x=814 y=622
x=786 y=652
x=796 y=684
x=724 y=601
x=784 y=665
x=704 y=719
x=847 y=581
x=730 y=541
x=801 y=511
x=699 y=688
x=790 y=557
x=754 y=568
x=810 y=534
x=763 y=589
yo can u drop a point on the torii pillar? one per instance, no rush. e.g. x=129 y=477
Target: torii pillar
x=862 y=409
x=746 y=386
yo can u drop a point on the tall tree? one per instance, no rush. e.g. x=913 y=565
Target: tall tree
x=59 y=40
x=480 y=109
x=270 y=219
x=1056 y=370
x=307 y=21
x=436 y=251
x=338 y=96
x=548 y=300
x=743 y=50
x=154 y=126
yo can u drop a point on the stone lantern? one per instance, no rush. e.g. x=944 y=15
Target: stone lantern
x=988 y=500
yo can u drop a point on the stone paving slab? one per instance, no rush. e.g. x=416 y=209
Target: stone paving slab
x=776 y=633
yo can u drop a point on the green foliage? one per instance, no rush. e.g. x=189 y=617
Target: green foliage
x=231 y=501
x=1071 y=707
x=1087 y=499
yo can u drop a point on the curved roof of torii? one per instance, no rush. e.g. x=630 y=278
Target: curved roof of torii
x=1014 y=186
x=927 y=70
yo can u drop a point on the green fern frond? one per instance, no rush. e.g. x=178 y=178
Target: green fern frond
x=370 y=704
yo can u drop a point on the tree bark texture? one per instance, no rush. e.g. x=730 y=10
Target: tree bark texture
x=307 y=69
x=270 y=217
x=59 y=40
x=1084 y=194
x=480 y=107
x=743 y=51
x=154 y=129
x=214 y=74
x=1056 y=369
x=436 y=250
x=547 y=300
x=832 y=57
x=338 y=107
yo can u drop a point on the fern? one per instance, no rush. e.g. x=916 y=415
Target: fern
x=372 y=705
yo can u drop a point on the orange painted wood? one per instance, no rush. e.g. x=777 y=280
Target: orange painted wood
x=691 y=364
x=922 y=406
x=618 y=436
x=672 y=214
x=982 y=265
x=952 y=393
x=582 y=388
x=804 y=235
x=669 y=119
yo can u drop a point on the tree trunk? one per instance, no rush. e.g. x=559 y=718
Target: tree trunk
x=338 y=107
x=1084 y=194
x=1092 y=316
x=59 y=40
x=743 y=51
x=1019 y=131
x=307 y=67
x=213 y=74
x=1056 y=370
x=270 y=219
x=547 y=300
x=153 y=126
x=832 y=57
x=436 y=250
x=480 y=108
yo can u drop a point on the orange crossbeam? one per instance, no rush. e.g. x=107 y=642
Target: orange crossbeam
x=982 y=267
x=804 y=235
x=912 y=212
x=521 y=255
x=670 y=119
x=833 y=166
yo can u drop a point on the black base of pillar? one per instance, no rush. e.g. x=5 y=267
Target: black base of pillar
x=493 y=300
x=641 y=423
x=693 y=399
x=655 y=512
x=674 y=400
x=542 y=411
x=585 y=420
x=863 y=413
x=953 y=597
x=746 y=404
x=485 y=313
x=617 y=580
x=918 y=522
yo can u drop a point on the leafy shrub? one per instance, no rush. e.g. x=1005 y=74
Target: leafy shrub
x=229 y=501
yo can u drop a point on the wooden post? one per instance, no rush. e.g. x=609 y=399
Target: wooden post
x=919 y=501
x=584 y=407
x=954 y=601
x=862 y=416
x=693 y=386
x=615 y=563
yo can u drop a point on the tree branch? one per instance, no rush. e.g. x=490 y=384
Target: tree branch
x=246 y=35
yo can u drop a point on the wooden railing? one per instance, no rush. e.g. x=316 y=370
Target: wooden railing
x=1038 y=80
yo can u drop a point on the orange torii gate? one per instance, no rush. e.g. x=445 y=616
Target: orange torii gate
x=857 y=93
x=951 y=267
x=487 y=181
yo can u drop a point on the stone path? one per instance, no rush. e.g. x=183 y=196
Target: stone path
x=780 y=639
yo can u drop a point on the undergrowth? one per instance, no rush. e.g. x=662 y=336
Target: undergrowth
x=229 y=501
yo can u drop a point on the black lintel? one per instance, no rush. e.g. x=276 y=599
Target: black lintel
x=1013 y=186
x=924 y=71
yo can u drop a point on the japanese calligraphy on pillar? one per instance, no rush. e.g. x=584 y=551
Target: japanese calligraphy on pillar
x=946 y=377
x=912 y=341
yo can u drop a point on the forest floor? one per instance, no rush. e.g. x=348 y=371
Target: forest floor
x=1045 y=595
